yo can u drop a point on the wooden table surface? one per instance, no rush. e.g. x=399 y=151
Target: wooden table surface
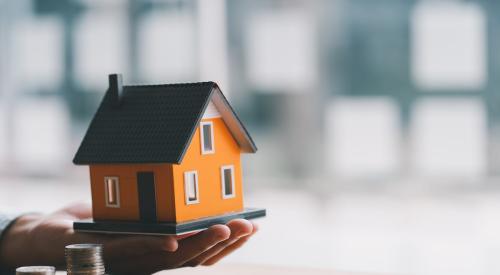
x=240 y=269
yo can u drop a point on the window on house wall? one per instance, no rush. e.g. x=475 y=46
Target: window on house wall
x=207 y=138
x=227 y=178
x=191 y=187
x=112 y=191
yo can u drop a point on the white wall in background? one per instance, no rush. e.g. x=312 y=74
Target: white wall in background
x=362 y=137
x=448 y=45
x=449 y=137
x=37 y=53
x=167 y=47
x=281 y=51
x=100 y=48
x=41 y=136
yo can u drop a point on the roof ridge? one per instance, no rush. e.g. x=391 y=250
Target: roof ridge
x=184 y=84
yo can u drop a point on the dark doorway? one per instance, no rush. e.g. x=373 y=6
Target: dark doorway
x=147 y=196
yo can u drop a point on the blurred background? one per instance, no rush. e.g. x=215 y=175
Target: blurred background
x=377 y=122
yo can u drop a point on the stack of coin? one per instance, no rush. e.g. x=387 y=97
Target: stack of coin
x=36 y=270
x=84 y=259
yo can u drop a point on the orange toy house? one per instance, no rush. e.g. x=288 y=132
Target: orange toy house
x=164 y=159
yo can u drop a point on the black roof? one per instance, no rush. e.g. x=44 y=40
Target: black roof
x=152 y=124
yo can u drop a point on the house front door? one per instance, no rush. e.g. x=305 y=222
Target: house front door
x=147 y=196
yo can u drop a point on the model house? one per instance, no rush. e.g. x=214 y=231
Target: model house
x=164 y=153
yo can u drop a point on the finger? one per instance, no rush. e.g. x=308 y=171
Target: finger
x=195 y=245
x=231 y=248
x=188 y=249
x=75 y=211
x=228 y=250
x=239 y=228
x=126 y=246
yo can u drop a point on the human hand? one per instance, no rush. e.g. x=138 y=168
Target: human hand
x=40 y=240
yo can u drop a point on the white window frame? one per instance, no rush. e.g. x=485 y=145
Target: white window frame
x=223 y=181
x=106 y=195
x=187 y=174
x=202 y=137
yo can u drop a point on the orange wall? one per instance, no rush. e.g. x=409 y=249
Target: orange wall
x=129 y=200
x=227 y=152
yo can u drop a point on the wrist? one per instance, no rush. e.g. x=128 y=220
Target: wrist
x=16 y=239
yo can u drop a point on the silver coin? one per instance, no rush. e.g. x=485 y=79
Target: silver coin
x=36 y=270
x=84 y=246
x=84 y=259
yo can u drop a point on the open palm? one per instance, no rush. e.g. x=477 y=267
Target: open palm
x=40 y=240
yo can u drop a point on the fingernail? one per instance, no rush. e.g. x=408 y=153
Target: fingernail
x=221 y=236
x=172 y=245
x=221 y=233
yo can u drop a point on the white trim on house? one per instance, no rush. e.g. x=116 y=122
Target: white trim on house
x=223 y=181
x=211 y=111
x=116 y=182
x=232 y=123
x=187 y=176
x=202 y=139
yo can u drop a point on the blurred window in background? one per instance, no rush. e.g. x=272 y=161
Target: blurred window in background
x=362 y=137
x=449 y=138
x=40 y=136
x=37 y=60
x=167 y=47
x=101 y=47
x=280 y=51
x=448 y=45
